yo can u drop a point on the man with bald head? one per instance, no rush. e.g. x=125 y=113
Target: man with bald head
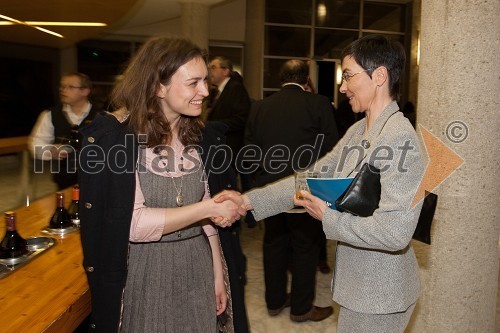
x=298 y=127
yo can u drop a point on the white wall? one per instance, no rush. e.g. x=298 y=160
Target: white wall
x=227 y=23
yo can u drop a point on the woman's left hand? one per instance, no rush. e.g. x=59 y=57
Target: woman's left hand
x=220 y=294
x=313 y=205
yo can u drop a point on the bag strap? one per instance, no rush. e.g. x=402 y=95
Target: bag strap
x=366 y=143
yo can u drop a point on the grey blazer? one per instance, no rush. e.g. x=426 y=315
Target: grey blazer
x=375 y=267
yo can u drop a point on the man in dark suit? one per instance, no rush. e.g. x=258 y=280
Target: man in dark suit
x=298 y=127
x=229 y=103
x=232 y=103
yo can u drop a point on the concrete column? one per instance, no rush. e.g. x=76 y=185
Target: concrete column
x=195 y=22
x=254 y=47
x=412 y=58
x=459 y=82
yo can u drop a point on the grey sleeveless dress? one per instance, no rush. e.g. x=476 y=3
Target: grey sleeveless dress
x=170 y=283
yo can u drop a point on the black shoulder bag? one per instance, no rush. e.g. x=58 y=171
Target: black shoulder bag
x=362 y=196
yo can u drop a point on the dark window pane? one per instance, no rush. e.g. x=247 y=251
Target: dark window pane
x=234 y=54
x=329 y=43
x=103 y=60
x=289 y=11
x=285 y=41
x=384 y=16
x=26 y=88
x=272 y=69
x=337 y=14
x=399 y=38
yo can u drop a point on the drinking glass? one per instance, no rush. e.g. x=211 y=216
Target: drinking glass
x=301 y=182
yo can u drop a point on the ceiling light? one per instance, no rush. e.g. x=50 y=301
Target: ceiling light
x=31 y=25
x=69 y=24
x=65 y=24
x=322 y=11
x=50 y=32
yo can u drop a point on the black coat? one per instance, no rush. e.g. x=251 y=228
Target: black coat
x=291 y=118
x=107 y=191
x=232 y=108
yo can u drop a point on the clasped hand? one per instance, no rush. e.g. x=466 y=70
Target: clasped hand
x=232 y=200
x=240 y=204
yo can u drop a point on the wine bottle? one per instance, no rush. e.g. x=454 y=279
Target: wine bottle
x=12 y=245
x=74 y=139
x=73 y=207
x=60 y=219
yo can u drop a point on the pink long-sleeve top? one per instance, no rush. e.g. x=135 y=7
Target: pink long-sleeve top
x=147 y=223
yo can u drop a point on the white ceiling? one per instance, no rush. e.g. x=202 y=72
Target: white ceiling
x=120 y=15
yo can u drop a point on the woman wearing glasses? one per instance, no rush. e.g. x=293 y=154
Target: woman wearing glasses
x=375 y=279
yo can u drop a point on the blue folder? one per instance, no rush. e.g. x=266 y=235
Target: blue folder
x=328 y=189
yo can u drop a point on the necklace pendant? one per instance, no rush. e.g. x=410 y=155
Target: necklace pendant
x=179 y=200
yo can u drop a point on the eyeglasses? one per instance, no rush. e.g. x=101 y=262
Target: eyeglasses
x=62 y=87
x=346 y=76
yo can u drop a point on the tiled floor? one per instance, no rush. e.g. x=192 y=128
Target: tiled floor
x=260 y=321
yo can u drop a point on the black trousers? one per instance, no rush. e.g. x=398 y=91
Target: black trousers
x=299 y=234
x=236 y=266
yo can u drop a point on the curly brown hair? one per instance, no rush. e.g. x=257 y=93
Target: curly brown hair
x=155 y=63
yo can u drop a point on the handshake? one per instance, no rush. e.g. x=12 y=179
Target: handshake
x=229 y=206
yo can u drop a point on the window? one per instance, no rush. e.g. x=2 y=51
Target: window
x=384 y=17
x=287 y=41
x=338 y=14
x=289 y=12
x=329 y=43
x=320 y=29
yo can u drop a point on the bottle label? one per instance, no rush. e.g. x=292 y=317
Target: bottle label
x=59 y=199
x=10 y=221
x=76 y=194
x=11 y=224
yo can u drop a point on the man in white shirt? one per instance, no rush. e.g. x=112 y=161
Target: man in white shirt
x=55 y=133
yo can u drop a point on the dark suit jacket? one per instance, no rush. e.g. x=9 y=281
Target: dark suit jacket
x=292 y=118
x=232 y=108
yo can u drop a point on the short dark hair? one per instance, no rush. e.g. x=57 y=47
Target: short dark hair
x=373 y=51
x=294 y=71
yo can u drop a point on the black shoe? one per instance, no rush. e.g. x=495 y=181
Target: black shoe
x=275 y=312
x=315 y=314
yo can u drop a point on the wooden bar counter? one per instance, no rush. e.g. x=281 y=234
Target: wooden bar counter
x=50 y=293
